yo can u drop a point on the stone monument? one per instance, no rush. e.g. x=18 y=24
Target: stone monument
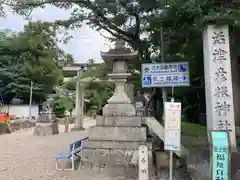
x=218 y=80
x=219 y=101
x=114 y=141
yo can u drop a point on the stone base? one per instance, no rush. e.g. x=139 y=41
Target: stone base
x=114 y=161
x=103 y=133
x=115 y=145
x=126 y=121
x=44 y=129
x=78 y=129
x=110 y=171
x=119 y=110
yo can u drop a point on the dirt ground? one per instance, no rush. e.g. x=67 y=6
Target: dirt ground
x=27 y=157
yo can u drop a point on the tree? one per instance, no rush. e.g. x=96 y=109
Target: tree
x=182 y=21
x=114 y=16
x=97 y=88
x=109 y=15
x=31 y=55
x=63 y=100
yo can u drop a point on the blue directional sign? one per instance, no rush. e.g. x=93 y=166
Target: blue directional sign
x=165 y=74
x=147 y=80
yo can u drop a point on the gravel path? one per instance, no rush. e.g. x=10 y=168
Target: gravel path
x=27 y=157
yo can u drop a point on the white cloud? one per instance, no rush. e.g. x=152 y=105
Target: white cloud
x=86 y=43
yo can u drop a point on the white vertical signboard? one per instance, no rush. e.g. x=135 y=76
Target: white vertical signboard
x=143 y=162
x=172 y=126
x=218 y=80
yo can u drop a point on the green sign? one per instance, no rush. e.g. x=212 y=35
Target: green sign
x=220 y=156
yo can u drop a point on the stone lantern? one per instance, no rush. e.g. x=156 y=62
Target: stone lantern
x=115 y=139
x=119 y=58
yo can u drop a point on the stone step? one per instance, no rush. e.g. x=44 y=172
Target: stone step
x=99 y=133
x=121 y=121
x=115 y=145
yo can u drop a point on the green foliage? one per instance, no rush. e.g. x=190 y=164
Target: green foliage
x=31 y=55
x=194 y=135
x=194 y=130
x=182 y=22
x=63 y=100
x=96 y=86
x=98 y=93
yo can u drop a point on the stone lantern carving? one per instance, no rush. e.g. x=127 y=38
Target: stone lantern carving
x=119 y=58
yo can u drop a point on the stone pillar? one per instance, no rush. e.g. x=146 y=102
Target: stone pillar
x=218 y=80
x=79 y=106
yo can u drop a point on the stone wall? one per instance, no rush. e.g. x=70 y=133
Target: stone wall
x=198 y=163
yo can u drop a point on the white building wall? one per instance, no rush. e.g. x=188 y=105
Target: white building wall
x=21 y=110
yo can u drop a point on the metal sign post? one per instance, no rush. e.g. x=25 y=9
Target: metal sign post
x=174 y=74
x=171 y=166
x=172 y=130
x=171 y=153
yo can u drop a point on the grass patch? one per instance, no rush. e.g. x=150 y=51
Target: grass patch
x=194 y=135
x=194 y=130
x=193 y=142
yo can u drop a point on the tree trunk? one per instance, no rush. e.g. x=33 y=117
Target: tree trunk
x=158 y=105
x=235 y=65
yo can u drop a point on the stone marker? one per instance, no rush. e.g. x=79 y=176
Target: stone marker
x=143 y=162
x=218 y=80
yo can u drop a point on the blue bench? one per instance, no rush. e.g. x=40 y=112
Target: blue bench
x=73 y=150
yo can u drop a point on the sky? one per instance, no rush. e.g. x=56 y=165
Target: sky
x=86 y=43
